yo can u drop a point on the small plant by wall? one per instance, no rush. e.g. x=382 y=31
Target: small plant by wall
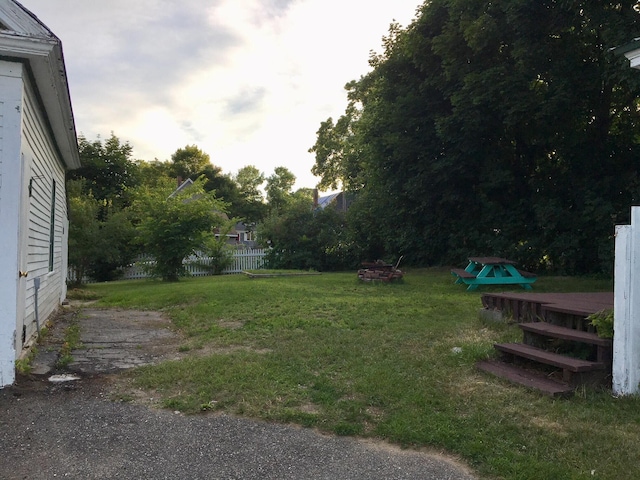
x=603 y=321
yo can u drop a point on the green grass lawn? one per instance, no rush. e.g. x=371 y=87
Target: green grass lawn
x=378 y=360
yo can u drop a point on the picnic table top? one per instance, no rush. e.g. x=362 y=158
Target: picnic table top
x=492 y=261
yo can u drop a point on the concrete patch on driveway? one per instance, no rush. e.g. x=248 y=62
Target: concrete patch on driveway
x=110 y=340
x=113 y=340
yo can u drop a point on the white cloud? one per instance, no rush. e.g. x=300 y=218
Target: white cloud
x=247 y=81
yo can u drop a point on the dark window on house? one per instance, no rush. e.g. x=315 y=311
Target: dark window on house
x=52 y=225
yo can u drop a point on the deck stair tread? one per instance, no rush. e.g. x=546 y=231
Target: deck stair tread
x=526 y=378
x=549 y=358
x=572 y=309
x=555 y=331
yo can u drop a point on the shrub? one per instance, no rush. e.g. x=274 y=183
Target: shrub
x=603 y=321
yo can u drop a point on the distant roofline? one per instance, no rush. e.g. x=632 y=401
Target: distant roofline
x=627 y=47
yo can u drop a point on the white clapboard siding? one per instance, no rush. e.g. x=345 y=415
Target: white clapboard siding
x=37 y=144
x=45 y=168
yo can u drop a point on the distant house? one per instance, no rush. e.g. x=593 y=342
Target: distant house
x=37 y=145
x=240 y=235
x=182 y=185
x=631 y=50
x=243 y=235
x=340 y=201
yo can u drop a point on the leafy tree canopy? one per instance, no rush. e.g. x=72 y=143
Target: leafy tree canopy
x=502 y=128
x=189 y=162
x=154 y=172
x=278 y=189
x=107 y=169
x=249 y=180
x=100 y=231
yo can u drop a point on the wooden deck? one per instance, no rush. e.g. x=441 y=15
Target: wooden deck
x=549 y=321
x=525 y=307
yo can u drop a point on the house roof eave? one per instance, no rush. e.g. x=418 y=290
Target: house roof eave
x=28 y=40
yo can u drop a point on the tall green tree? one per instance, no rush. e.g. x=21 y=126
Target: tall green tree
x=100 y=230
x=250 y=206
x=107 y=169
x=189 y=162
x=279 y=186
x=249 y=180
x=337 y=151
x=495 y=128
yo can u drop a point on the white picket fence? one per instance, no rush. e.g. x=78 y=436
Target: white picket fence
x=243 y=259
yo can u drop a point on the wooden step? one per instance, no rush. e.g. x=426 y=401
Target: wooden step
x=549 y=358
x=555 y=331
x=526 y=378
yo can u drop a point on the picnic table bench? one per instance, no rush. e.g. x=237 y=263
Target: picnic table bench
x=492 y=271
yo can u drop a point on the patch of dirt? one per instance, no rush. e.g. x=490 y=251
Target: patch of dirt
x=113 y=341
x=120 y=388
x=56 y=327
x=442 y=456
x=309 y=408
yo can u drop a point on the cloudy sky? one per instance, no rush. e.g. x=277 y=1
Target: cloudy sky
x=247 y=81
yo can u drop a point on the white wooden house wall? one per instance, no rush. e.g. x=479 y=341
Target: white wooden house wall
x=37 y=144
x=46 y=168
x=27 y=157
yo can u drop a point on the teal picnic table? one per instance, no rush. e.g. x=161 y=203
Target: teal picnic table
x=492 y=271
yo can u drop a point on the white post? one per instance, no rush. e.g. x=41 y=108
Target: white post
x=626 y=338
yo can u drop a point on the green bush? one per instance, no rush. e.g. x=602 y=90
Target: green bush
x=172 y=226
x=303 y=238
x=603 y=321
x=218 y=252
